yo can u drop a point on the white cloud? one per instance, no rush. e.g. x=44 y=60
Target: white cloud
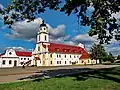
x=85 y=38
x=58 y=34
x=1 y=7
x=17 y=48
x=25 y=30
x=115 y=50
x=69 y=43
x=58 y=31
x=28 y=31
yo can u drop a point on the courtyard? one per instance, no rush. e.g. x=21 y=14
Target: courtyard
x=15 y=74
x=97 y=77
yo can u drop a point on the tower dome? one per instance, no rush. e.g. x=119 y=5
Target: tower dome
x=43 y=24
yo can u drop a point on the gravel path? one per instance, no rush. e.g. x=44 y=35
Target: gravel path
x=14 y=74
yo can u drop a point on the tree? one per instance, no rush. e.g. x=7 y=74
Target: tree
x=101 y=20
x=111 y=58
x=98 y=52
x=118 y=57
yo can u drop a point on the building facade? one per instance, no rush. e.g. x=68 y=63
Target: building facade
x=47 y=53
x=12 y=58
x=53 y=54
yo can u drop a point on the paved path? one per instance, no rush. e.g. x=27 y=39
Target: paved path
x=14 y=74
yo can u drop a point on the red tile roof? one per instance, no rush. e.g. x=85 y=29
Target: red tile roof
x=62 y=48
x=85 y=55
x=26 y=54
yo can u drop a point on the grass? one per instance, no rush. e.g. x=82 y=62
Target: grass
x=105 y=79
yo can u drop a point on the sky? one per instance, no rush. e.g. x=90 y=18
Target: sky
x=63 y=29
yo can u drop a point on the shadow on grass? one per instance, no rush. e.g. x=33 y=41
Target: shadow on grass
x=80 y=74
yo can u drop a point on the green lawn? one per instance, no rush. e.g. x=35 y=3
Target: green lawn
x=107 y=79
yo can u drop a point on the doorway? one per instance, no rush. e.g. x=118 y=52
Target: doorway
x=15 y=63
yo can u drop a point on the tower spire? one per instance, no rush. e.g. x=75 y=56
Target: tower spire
x=42 y=21
x=43 y=24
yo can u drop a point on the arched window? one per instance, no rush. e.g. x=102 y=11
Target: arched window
x=45 y=38
x=10 y=62
x=39 y=38
x=44 y=28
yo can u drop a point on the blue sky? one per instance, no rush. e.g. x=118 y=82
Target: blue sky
x=61 y=24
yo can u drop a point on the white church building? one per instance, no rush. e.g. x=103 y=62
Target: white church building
x=46 y=53
x=53 y=54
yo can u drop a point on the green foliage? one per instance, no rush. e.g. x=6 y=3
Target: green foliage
x=111 y=58
x=98 y=52
x=101 y=16
x=118 y=57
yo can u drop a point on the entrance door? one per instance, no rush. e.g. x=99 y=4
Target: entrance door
x=15 y=63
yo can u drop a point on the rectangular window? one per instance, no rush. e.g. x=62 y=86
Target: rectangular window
x=51 y=62
x=57 y=62
x=59 y=55
x=74 y=57
x=65 y=56
x=60 y=62
x=3 y=62
x=65 y=62
x=10 y=62
x=51 y=55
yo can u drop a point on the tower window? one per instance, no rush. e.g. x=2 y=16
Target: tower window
x=44 y=28
x=39 y=38
x=45 y=37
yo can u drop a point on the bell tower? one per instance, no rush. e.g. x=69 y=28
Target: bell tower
x=43 y=34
